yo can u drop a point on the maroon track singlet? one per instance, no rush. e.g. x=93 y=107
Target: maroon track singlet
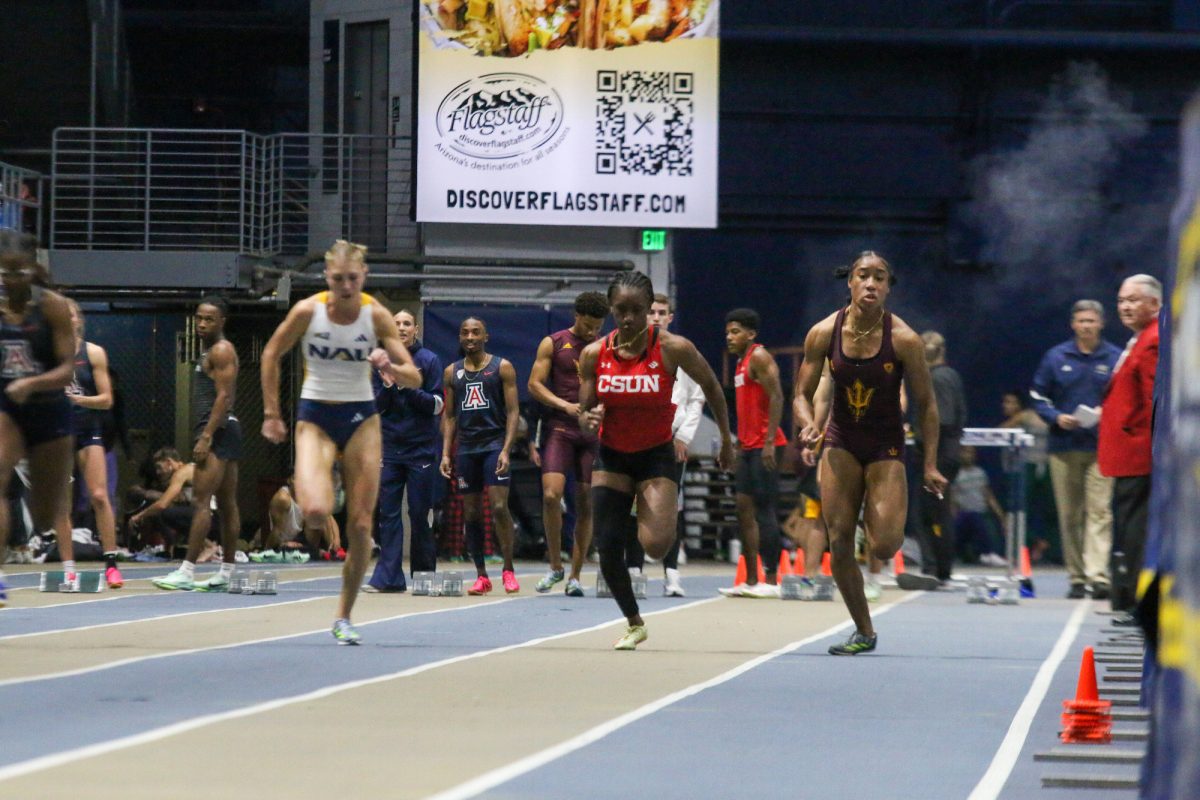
x=866 y=420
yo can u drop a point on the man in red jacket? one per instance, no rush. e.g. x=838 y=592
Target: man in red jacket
x=1124 y=449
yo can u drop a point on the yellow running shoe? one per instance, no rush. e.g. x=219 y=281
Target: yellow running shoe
x=634 y=635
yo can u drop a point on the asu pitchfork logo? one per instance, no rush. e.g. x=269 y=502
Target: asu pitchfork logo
x=859 y=399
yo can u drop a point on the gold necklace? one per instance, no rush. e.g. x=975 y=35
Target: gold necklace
x=629 y=345
x=858 y=335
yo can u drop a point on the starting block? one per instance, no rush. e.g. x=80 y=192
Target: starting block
x=792 y=587
x=451 y=584
x=90 y=580
x=602 y=589
x=1004 y=591
x=423 y=584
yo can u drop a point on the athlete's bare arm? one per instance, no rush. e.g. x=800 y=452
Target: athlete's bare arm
x=911 y=352
x=679 y=352
x=393 y=357
x=222 y=368
x=816 y=346
x=102 y=400
x=591 y=414
x=762 y=368
x=541 y=373
x=822 y=403
x=449 y=420
x=274 y=429
x=512 y=413
x=179 y=479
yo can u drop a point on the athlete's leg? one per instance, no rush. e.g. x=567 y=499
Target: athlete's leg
x=553 y=485
x=313 y=477
x=612 y=500
x=503 y=522
x=842 y=482
x=205 y=481
x=656 y=515
x=816 y=541
x=93 y=465
x=766 y=513
x=231 y=515
x=583 y=528
x=278 y=512
x=886 y=507
x=422 y=488
x=12 y=450
x=360 y=469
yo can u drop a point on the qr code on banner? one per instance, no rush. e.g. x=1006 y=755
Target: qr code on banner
x=644 y=123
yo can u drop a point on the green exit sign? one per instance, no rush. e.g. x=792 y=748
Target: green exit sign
x=654 y=240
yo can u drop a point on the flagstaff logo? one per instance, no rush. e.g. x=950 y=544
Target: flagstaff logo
x=499 y=116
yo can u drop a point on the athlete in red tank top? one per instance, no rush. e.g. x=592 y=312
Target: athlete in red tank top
x=752 y=406
x=867 y=339
x=636 y=395
x=625 y=383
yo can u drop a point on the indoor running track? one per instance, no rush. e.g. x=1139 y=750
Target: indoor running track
x=141 y=693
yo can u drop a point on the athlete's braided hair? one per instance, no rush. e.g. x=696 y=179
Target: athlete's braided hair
x=632 y=280
x=844 y=271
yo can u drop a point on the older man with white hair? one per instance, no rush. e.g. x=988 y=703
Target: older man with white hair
x=1124 y=448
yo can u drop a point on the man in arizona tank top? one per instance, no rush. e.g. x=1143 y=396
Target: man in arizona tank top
x=481 y=414
x=338 y=331
x=868 y=350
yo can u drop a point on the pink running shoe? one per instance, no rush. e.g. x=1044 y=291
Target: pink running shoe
x=482 y=585
x=112 y=576
x=510 y=582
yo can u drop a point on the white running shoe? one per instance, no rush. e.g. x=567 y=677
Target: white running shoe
x=872 y=589
x=762 y=590
x=733 y=591
x=671 y=584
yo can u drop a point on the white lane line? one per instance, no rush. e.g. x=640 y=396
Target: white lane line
x=490 y=780
x=101 y=748
x=131 y=580
x=162 y=616
x=70 y=673
x=993 y=780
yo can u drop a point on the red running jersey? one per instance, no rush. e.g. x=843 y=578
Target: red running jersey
x=752 y=407
x=636 y=395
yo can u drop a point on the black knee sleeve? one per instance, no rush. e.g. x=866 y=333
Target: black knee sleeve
x=610 y=512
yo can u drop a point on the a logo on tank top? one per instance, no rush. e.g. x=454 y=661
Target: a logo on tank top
x=362 y=337
x=327 y=353
x=739 y=381
x=628 y=384
x=321 y=335
x=17 y=361
x=474 y=398
x=888 y=367
x=859 y=399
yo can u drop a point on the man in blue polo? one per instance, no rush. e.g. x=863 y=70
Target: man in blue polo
x=1067 y=391
x=411 y=453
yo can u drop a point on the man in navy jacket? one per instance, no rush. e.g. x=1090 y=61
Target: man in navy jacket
x=1071 y=375
x=411 y=453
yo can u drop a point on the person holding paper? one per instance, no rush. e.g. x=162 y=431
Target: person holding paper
x=1067 y=390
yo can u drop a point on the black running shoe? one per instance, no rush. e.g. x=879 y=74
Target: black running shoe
x=857 y=643
x=912 y=582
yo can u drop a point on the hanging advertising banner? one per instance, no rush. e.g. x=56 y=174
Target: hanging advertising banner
x=568 y=112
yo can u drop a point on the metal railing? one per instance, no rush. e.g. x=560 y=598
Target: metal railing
x=21 y=199
x=228 y=190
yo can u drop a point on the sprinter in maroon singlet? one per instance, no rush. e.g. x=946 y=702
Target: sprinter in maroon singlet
x=869 y=350
x=554 y=382
x=625 y=394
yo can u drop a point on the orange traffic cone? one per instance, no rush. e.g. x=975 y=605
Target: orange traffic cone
x=1088 y=719
x=762 y=573
x=740 y=576
x=798 y=567
x=898 y=563
x=1026 y=573
x=827 y=565
x=785 y=564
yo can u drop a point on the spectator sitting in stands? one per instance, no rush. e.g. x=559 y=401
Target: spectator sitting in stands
x=973 y=500
x=166 y=511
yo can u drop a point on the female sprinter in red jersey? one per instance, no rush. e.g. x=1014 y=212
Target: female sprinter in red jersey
x=625 y=394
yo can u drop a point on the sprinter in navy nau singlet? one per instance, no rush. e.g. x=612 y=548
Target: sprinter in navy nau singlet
x=869 y=350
